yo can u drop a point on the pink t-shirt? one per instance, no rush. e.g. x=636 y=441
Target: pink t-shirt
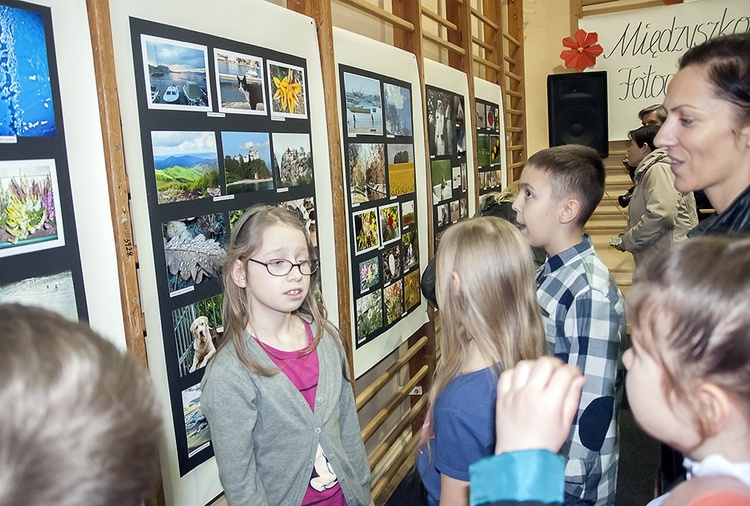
x=303 y=371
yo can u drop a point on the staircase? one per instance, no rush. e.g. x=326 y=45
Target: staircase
x=609 y=219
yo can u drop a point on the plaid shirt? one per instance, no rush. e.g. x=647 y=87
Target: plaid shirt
x=584 y=317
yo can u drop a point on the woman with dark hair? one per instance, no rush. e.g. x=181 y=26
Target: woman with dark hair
x=658 y=215
x=707 y=132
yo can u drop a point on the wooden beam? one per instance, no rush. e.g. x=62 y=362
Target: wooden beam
x=100 y=26
x=320 y=11
x=368 y=8
x=438 y=19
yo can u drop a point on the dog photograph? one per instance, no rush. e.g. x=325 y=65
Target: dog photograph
x=239 y=79
x=197 y=329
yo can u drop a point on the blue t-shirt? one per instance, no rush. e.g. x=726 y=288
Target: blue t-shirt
x=464 y=418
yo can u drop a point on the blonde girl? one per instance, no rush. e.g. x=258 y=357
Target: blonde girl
x=276 y=394
x=489 y=321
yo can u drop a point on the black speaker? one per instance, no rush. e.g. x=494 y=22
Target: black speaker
x=577 y=107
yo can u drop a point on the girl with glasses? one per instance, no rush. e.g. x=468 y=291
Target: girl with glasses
x=277 y=394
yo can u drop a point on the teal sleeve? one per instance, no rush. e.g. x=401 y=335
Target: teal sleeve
x=523 y=477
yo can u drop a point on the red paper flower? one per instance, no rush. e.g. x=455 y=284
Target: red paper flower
x=583 y=50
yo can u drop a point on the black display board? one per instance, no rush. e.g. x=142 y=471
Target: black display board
x=382 y=200
x=224 y=125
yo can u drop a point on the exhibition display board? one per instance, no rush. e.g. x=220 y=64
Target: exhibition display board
x=451 y=156
x=52 y=169
x=384 y=164
x=216 y=118
x=490 y=131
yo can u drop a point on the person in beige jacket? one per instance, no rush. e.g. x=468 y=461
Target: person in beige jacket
x=658 y=215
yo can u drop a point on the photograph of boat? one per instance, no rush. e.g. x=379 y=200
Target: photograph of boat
x=172 y=94
x=364 y=105
x=175 y=74
x=193 y=94
x=154 y=94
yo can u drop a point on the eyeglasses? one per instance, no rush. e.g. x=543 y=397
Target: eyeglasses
x=281 y=267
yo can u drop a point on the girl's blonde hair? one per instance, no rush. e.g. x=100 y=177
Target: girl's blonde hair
x=246 y=239
x=492 y=304
x=692 y=315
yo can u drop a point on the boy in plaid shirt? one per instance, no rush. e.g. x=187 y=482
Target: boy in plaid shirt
x=583 y=310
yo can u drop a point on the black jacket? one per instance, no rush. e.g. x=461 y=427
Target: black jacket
x=734 y=220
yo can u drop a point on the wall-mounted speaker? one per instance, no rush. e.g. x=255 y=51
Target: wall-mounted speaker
x=577 y=110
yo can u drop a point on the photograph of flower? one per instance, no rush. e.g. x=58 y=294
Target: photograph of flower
x=29 y=207
x=366 y=172
x=442 y=174
x=394 y=301
x=239 y=79
x=175 y=73
x=304 y=208
x=491 y=116
x=364 y=105
x=369 y=273
x=391 y=263
x=366 y=235
x=390 y=223
x=247 y=161
x=481 y=118
x=441 y=122
x=292 y=160
x=25 y=76
x=495 y=149
x=369 y=315
x=411 y=249
x=397 y=110
x=483 y=150
x=412 y=296
x=287 y=89
x=196 y=426
x=198 y=329
x=55 y=293
x=408 y=218
x=193 y=250
x=400 y=169
x=186 y=166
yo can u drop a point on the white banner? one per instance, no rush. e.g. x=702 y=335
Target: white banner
x=641 y=49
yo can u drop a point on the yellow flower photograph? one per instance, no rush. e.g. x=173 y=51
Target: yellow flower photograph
x=287 y=88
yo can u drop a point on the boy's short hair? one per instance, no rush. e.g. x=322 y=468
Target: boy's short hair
x=574 y=170
x=79 y=422
x=644 y=135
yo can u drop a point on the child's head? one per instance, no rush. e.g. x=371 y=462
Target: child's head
x=691 y=340
x=486 y=293
x=79 y=422
x=559 y=186
x=267 y=241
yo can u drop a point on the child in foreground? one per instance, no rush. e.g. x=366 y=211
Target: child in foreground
x=688 y=385
x=276 y=394
x=583 y=310
x=489 y=321
x=80 y=422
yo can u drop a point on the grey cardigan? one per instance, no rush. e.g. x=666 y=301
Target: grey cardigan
x=265 y=436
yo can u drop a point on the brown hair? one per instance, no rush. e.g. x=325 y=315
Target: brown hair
x=495 y=306
x=726 y=60
x=693 y=316
x=574 y=171
x=79 y=423
x=246 y=239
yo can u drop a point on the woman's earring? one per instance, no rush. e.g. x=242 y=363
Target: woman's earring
x=242 y=283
